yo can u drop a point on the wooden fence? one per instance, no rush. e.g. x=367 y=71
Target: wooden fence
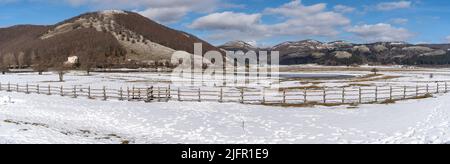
x=320 y=96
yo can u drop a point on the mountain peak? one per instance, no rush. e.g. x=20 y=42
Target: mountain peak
x=311 y=41
x=112 y=12
x=238 y=44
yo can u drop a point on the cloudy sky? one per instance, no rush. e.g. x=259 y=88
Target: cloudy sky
x=263 y=22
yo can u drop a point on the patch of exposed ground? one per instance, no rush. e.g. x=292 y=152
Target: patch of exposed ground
x=79 y=132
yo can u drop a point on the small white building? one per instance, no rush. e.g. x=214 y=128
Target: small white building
x=71 y=60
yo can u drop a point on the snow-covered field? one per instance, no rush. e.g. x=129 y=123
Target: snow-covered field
x=53 y=119
x=43 y=119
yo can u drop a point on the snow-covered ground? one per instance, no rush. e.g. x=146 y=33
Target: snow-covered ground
x=53 y=119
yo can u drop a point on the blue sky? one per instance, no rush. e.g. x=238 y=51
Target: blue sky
x=262 y=22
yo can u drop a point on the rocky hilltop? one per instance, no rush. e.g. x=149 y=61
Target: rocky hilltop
x=346 y=53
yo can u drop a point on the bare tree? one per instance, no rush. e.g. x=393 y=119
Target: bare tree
x=40 y=67
x=9 y=60
x=87 y=66
x=3 y=69
x=375 y=71
x=21 y=60
x=61 y=70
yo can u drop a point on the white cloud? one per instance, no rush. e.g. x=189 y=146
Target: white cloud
x=295 y=9
x=164 y=11
x=343 y=9
x=296 y=20
x=380 y=32
x=226 y=21
x=303 y=20
x=386 y=6
x=165 y=15
x=227 y=26
x=400 y=21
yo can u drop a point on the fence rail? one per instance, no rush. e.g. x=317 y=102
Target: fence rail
x=320 y=96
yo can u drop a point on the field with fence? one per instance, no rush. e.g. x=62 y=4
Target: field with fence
x=265 y=96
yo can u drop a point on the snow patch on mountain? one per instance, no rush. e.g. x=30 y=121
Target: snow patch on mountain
x=112 y=12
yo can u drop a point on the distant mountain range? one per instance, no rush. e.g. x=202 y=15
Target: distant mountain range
x=126 y=39
x=345 y=53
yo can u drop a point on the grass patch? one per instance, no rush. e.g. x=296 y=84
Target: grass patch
x=26 y=123
x=371 y=76
x=53 y=81
x=310 y=82
x=375 y=79
x=389 y=101
x=428 y=95
x=357 y=85
x=301 y=87
x=352 y=107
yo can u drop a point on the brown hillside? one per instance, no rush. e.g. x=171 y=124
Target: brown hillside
x=161 y=34
x=103 y=38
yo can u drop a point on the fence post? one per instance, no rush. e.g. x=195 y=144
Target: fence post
x=324 y=96
x=305 y=92
x=390 y=93
x=9 y=87
x=437 y=88
x=27 y=89
x=284 y=96
x=242 y=95
x=61 y=91
x=120 y=94
x=104 y=94
x=159 y=93
x=139 y=94
x=17 y=87
x=428 y=89
x=376 y=94
x=132 y=93
x=221 y=95
x=343 y=95
x=128 y=93
x=417 y=90
x=360 y=95
x=404 y=92
x=263 y=95
x=49 y=90
x=0 y=86
x=446 y=89
x=148 y=95
x=199 y=95
x=75 y=91
x=151 y=93
x=169 y=92
x=37 y=89
x=179 y=94
x=89 y=92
